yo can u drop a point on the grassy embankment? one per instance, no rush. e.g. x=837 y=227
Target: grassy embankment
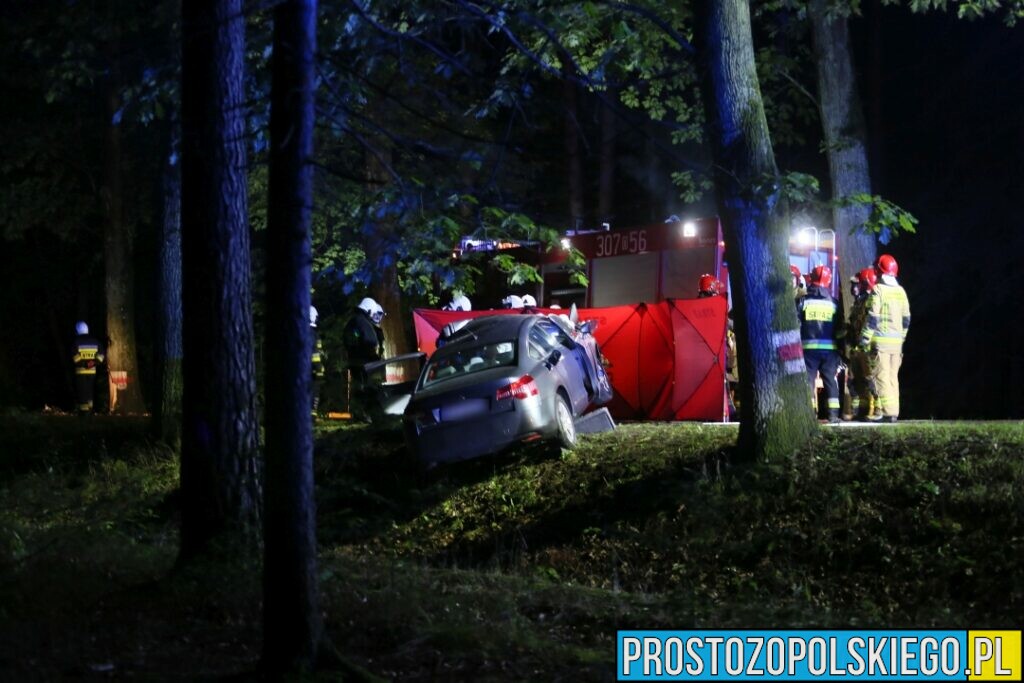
x=504 y=568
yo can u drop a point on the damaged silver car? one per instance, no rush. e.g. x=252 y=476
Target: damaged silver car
x=505 y=379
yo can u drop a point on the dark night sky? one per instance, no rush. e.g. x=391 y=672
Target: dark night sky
x=945 y=103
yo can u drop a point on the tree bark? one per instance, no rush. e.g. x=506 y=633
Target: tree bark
x=573 y=156
x=776 y=418
x=118 y=257
x=606 y=178
x=385 y=289
x=842 y=120
x=167 y=415
x=219 y=475
x=291 y=615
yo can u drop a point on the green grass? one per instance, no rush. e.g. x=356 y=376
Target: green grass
x=521 y=566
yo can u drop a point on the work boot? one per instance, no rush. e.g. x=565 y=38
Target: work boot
x=833 y=417
x=891 y=419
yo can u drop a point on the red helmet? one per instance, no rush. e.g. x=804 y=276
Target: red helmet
x=868 y=279
x=887 y=265
x=797 y=276
x=821 y=276
x=708 y=285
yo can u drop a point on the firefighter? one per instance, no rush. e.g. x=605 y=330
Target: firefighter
x=861 y=371
x=512 y=301
x=709 y=286
x=88 y=357
x=888 y=320
x=319 y=360
x=820 y=327
x=364 y=343
x=799 y=283
x=458 y=303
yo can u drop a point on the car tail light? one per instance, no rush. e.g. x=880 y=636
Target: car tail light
x=524 y=387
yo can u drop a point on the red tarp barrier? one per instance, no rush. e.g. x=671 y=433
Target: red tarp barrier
x=667 y=359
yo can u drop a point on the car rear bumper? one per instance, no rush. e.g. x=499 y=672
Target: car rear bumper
x=462 y=440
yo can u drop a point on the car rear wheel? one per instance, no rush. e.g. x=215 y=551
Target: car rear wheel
x=565 y=423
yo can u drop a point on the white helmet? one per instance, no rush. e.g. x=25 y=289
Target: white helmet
x=529 y=301
x=459 y=303
x=372 y=309
x=81 y=327
x=313 y=315
x=512 y=301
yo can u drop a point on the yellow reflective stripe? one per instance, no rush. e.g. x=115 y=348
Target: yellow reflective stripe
x=833 y=403
x=85 y=371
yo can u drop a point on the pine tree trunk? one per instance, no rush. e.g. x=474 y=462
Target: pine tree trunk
x=167 y=415
x=291 y=616
x=573 y=156
x=219 y=466
x=842 y=120
x=118 y=257
x=606 y=179
x=776 y=418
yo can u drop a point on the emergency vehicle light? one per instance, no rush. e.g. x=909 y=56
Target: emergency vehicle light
x=689 y=229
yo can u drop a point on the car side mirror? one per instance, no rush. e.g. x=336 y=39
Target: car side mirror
x=553 y=359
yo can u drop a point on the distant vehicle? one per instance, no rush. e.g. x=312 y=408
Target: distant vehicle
x=504 y=379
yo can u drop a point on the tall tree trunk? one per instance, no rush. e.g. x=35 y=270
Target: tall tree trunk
x=573 y=155
x=380 y=251
x=167 y=415
x=842 y=120
x=774 y=396
x=291 y=615
x=606 y=179
x=118 y=257
x=219 y=475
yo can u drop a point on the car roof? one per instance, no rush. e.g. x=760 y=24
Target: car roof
x=490 y=328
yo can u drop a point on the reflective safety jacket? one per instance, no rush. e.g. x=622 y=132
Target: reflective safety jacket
x=319 y=358
x=87 y=355
x=888 y=318
x=820 y=320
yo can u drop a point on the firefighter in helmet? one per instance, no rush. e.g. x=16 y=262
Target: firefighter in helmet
x=888 y=319
x=513 y=301
x=364 y=343
x=458 y=303
x=88 y=356
x=319 y=360
x=799 y=283
x=861 y=374
x=709 y=286
x=820 y=327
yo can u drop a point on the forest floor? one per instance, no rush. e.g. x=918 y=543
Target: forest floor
x=509 y=568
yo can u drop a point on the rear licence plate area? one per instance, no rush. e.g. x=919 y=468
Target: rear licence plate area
x=465 y=409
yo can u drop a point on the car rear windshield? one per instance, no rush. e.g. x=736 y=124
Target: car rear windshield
x=466 y=361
